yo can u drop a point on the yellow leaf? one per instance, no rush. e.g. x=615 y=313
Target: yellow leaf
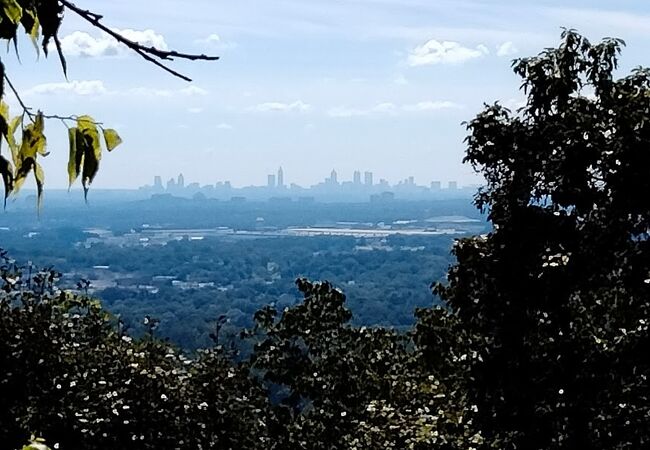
x=11 y=139
x=12 y=10
x=75 y=159
x=88 y=128
x=34 y=141
x=112 y=139
x=40 y=182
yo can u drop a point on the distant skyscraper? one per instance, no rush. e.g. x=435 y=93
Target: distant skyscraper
x=181 y=181
x=171 y=184
x=270 y=181
x=334 y=178
x=367 y=178
x=157 y=183
x=436 y=185
x=280 y=177
x=357 y=177
x=411 y=181
x=453 y=185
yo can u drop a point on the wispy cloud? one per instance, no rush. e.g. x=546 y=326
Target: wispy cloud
x=391 y=109
x=444 y=52
x=224 y=126
x=97 y=88
x=507 y=49
x=82 y=44
x=84 y=87
x=214 y=40
x=297 y=106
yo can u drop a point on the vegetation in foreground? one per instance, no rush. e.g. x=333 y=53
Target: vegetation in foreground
x=541 y=344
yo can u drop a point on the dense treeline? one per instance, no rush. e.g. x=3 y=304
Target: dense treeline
x=385 y=281
x=542 y=341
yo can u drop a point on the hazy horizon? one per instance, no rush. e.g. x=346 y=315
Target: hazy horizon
x=369 y=85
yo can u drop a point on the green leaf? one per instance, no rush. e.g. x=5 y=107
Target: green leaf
x=112 y=139
x=12 y=10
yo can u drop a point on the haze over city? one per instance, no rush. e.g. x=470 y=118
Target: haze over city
x=308 y=85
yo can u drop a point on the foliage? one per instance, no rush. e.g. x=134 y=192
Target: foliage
x=41 y=19
x=71 y=373
x=555 y=299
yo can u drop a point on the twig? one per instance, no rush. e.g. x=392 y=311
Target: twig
x=20 y=100
x=148 y=53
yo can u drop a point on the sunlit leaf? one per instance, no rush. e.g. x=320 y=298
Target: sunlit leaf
x=75 y=159
x=111 y=138
x=34 y=141
x=11 y=139
x=22 y=171
x=12 y=10
x=87 y=141
x=39 y=175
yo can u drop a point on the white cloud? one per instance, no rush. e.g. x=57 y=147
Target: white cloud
x=211 y=39
x=149 y=92
x=445 y=52
x=97 y=88
x=506 y=49
x=224 y=126
x=431 y=106
x=80 y=43
x=297 y=106
x=400 y=80
x=193 y=90
x=391 y=108
x=215 y=41
x=85 y=88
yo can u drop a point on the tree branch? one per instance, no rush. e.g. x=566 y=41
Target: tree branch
x=27 y=110
x=147 y=53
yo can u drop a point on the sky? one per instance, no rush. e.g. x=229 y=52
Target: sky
x=309 y=85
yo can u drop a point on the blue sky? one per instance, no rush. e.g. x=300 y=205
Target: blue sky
x=311 y=85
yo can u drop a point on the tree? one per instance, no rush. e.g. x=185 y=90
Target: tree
x=555 y=301
x=41 y=19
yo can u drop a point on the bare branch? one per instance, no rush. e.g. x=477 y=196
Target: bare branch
x=148 y=53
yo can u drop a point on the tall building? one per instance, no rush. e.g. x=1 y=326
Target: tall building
x=171 y=184
x=157 y=183
x=280 y=177
x=453 y=185
x=357 y=177
x=436 y=185
x=270 y=181
x=334 y=178
x=411 y=181
x=181 y=181
x=367 y=178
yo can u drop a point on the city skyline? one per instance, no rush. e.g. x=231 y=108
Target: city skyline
x=309 y=84
x=276 y=181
